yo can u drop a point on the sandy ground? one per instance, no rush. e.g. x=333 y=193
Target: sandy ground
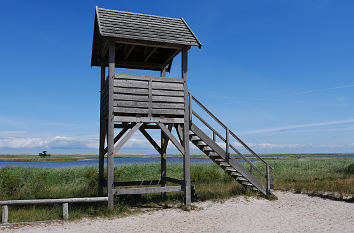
x=291 y=213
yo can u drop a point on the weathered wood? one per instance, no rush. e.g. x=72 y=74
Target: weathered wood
x=186 y=157
x=131 y=97
x=168 y=99
x=118 y=110
x=130 y=83
x=5 y=214
x=155 y=105
x=51 y=201
x=110 y=126
x=150 y=98
x=116 y=138
x=148 y=190
x=152 y=51
x=148 y=119
x=127 y=136
x=171 y=137
x=124 y=90
x=137 y=183
x=150 y=139
x=130 y=50
x=65 y=211
x=147 y=78
x=236 y=166
x=129 y=126
x=167 y=86
x=102 y=135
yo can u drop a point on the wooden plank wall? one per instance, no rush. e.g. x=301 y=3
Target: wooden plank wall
x=145 y=96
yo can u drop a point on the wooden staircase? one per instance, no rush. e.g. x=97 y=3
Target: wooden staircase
x=254 y=178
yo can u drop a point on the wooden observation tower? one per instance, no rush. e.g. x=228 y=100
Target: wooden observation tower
x=135 y=102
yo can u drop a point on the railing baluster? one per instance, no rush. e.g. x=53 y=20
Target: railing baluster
x=227 y=144
x=214 y=136
x=268 y=179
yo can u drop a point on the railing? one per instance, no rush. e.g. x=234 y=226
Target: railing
x=228 y=145
x=65 y=204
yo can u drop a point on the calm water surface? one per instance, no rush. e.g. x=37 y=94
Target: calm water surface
x=117 y=161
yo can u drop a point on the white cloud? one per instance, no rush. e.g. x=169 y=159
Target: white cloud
x=290 y=127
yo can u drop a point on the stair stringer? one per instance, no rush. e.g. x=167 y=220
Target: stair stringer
x=233 y=162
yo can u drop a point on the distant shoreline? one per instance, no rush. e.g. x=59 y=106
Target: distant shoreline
x=78 y=157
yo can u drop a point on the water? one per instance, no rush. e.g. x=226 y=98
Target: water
x=117 y=161
x=94 y=162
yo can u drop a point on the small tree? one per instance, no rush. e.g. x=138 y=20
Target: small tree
x=43 y=154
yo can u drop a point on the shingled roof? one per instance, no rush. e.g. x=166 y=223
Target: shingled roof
x=141 y=38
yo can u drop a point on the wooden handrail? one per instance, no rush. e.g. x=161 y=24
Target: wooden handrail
x=230 y=132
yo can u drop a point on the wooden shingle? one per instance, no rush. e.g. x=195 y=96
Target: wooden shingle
x=143 y=41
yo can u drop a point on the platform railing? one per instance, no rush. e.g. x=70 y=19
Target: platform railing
x=229 y=135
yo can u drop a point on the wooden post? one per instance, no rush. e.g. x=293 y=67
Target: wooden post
x=65 y=211
x=227 y=144
x=5 y=214
x=102 y=136
x=186 y=158
x=110 y=126
x=164 y=144
x=214 y=136
x=268 y=179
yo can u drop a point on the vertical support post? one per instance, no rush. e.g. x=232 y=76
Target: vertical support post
x=164 y=143
x=186 y=158
x=5 y=214
x=65 y=211
x=102 y=135
x=190 y=108
x=110 y=125
x=214 y=136
x=227 y=144
x=251 y=170
x=268 y=179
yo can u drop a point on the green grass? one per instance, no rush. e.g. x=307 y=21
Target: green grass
x=76 y=157
x=333 y=175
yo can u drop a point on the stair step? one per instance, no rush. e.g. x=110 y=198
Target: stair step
x=207 y=149
x=230 y=169
x=213 y=154
x=224 y=164
x=200 y=143
x=236 y=174
x=194 y=139
x=247 y=184
x=219 y=160
x=240 y=178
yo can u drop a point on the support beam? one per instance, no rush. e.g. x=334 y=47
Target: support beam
x=171 y=137
x=172 y=55
x=186 y=158
x=119 y=135
x=152 y=51
x=150 y=139
x=127 y=136
x=163 y=170
x=129 y=126
x=110 y=125
x=130 y=50
x=102 y=135
x=148 y=190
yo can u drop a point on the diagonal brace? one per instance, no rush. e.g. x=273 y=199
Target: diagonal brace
x=127 y=136
x=121 y=133
x=171 y=137
x=150 y=139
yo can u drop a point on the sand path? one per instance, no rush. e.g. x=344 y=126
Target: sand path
x=291 y=213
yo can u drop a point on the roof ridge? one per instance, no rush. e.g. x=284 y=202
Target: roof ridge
x=134 y=13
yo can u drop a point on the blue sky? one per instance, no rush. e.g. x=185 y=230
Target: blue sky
x=279 y=73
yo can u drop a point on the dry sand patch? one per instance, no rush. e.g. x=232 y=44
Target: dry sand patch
x=290 y=213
